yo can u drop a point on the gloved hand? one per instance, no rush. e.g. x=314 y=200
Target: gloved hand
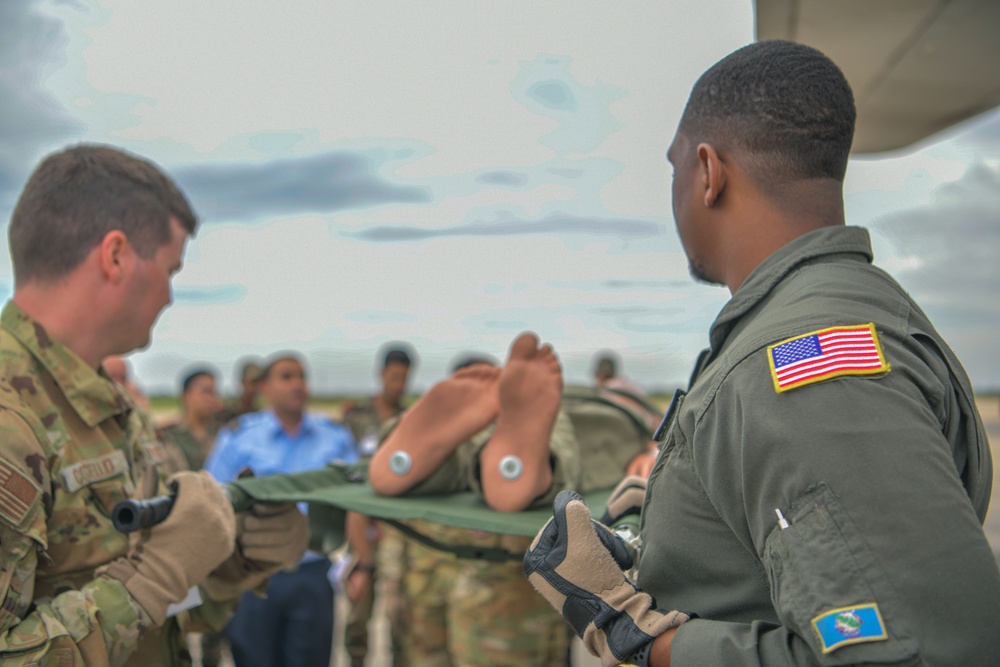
x=165 y=561
x=577 y=565
x=625 y=500
x=269 y=538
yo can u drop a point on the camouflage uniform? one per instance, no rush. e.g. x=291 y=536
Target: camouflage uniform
x=181 y=440
x=363 y=420
x=71 y=446
x=472 y=613
x=185 y=451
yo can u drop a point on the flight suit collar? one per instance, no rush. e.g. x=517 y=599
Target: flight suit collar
x=812 y=245
x=92 y=394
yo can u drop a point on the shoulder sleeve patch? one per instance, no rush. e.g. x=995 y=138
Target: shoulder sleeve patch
x=825 y=354
x=17 y=494
x=849 y=625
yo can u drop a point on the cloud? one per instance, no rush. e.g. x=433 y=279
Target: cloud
x=511 y=179
x=207 y=296
x=984 y=134
x=29 y=117
x=324 y=183
x=555 y=223
x=949 y=263
x=546 y=87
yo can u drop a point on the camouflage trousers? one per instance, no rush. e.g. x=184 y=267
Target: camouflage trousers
x=389 y=555
x=470 y=613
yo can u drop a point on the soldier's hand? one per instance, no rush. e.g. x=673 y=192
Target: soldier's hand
x=578 y=565
x=625 y=500
x=165 y=561
x=269 y=538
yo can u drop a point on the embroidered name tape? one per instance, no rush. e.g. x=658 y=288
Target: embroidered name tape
x=849 y=625
x=79 y=475
x=825 y=354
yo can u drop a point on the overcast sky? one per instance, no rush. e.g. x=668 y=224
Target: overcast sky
x=448 y=173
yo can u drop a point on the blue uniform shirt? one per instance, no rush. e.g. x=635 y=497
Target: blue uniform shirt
x=260 y=443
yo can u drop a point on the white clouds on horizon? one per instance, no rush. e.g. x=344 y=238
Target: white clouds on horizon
x=492 y=165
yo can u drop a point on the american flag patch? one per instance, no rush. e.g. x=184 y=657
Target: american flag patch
x=17 y=494
x=826 y=354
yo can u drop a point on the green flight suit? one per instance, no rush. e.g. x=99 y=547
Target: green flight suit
x=831 y=523
x=71 y=446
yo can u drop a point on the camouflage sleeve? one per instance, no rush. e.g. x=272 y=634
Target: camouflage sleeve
x=96 y=625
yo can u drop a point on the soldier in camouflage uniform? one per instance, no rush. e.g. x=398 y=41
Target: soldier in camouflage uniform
x=472 y=613
x=194 y=434
x=377 y=549
x=187 y=443
x=251 y=379
x=94 y=239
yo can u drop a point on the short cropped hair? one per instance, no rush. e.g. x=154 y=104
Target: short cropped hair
x=785 y=106
x=75 y=197
x=472 y=359
x=194 y=374
x=396 y=355
x=277 y=357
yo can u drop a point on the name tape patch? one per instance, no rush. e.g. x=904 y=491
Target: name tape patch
x=849 y=625
x=81 y=474
x=825 y=354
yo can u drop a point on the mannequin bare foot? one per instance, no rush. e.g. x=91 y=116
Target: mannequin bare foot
x=450 y=413
x=530 y=395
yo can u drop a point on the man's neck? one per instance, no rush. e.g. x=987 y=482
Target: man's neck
x=768 y=227
x=291 y=422
x=66 y=319
x=197 y=425
x=385 y=407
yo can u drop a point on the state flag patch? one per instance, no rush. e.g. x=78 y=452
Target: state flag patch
x=849 y=625
x=825 y=354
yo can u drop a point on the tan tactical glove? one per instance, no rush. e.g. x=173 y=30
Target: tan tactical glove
x=577 y=565
x=269 y=538
x=625 y=500
x=164 y=562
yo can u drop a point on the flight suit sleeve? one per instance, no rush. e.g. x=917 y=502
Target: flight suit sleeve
x=97 y=625
x=849 y=494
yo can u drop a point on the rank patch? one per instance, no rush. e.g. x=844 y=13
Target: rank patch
x=17 y=494
x=849 y=625
x=825 y=354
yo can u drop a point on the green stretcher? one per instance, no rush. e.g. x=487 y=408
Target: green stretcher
x=335 y=490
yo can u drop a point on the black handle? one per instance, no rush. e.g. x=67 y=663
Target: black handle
x=131 y=515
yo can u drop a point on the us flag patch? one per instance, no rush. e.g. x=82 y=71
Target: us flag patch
x=17 y=494
x=825 y=354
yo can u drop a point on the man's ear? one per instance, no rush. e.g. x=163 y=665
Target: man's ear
x=713 y=173
x=111 y=252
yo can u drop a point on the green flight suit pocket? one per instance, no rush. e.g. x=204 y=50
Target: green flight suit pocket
x=829 y=589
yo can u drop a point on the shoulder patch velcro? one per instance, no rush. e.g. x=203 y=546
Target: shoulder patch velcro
x=849 y=625
x=17 y=494
x=825 y=354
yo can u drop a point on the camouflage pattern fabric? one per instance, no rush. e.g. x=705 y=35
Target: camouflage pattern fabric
x=470 y=613
x=184 y=448
x=363 y=420
x=71 y=446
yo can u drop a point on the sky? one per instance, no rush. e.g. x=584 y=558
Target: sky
x=448 y=173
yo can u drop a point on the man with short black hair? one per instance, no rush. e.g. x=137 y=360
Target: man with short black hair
x=293 y=626
x=820 y=489
x=95 y=238
x=371 y=543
